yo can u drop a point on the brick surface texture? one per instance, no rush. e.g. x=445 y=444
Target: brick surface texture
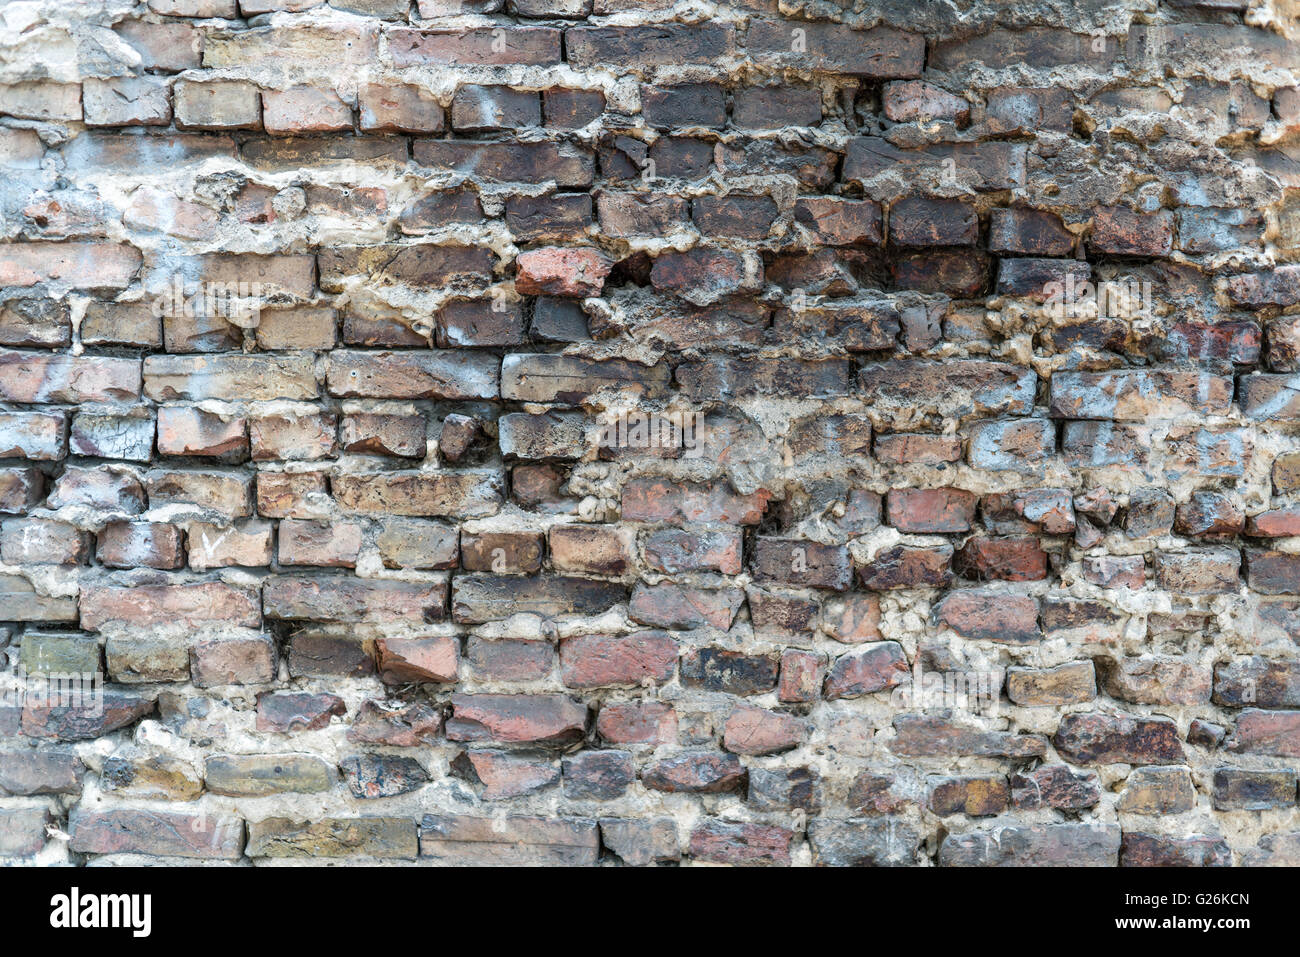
x=575 y=432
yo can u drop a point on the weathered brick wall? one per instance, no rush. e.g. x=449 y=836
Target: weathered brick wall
x=954 y=561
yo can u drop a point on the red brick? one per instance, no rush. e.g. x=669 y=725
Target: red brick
x=465 y=494
x=1004 y=618
x=740 y=217
x=792 y=378
x=217 y=105
x=1275 y=523
x=41 y=377
x=567 y=166
x=245 y=544
x=1115 y=571
x=669 y=605
x=800 y=563
x=571 y=109
x=1074 y=682
x=592 y=549
x=597 y=775
x=233 y=661
x=163 y=46
x=983 y=166
x=345 y=599
x=477 y=599
x=20 y=489
x=679 y=550
x=776 y=107
x=1201 y=571
x=840 y=222
x=395 y=724
x=384 y=434
x=593 y=661
x=292 y=437
x=973 y=386
x=285 y=711
x=702 y=772
x=975 y=796
x=908 y=567
x=878 y=53
x=502 y=775
x=940 y=510
x=1209 y=515
x=569 y=379
x=291 y=494
x=157 y=833
x=433 y=659
x=1274 y=733
x=918 y=221
x=1002 y=559
x=192 y=431
x=399 y=108
x=562 y=272
x=916 y=101
x=328 y=544
x=38 y=100
x=126 y=101
x=802 y=674
x=925 y=736
x=872 y=668
x=37 y=541
x=660 y=500
x=509 y=659
x=140 y=545
x=474 y=46
x=852 y=619
x=1118 y=739
x=190 y=605
x=649 y=45
x=1028 y=232
x=1121 y=231
x=41 y=719
x=902 y=448
x=647 y=722
x=503 y=553
x=516 y=719
x=724 y=842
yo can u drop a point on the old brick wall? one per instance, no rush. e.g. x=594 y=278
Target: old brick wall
x=962 y=533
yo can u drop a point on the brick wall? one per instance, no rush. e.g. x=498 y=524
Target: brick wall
x=575 y=431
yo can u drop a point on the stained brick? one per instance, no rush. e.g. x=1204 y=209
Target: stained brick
x=1038 y=845
x=353 y=600
x=650 y=45
x=878 y=53
x=567 y=166
x=477 y=45
x=1098 y=738
x=516 y=719
x=918 y=221
x=514 y=840
x=401 y=108
x=941 y=510
x=1119 y=230
x=157 y=833
x=468 y=494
